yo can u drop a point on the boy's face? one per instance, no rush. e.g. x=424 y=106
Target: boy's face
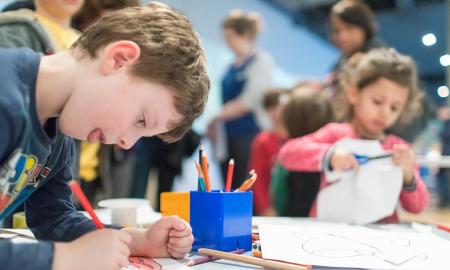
x=117 y=109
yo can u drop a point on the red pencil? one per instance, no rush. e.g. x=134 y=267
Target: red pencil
x=443 y=227
x=76 y=189
x=229 y=175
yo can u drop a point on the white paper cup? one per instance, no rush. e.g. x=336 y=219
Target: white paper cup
x=123 y=210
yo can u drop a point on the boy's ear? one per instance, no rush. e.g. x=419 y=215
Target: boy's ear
x=118 y=55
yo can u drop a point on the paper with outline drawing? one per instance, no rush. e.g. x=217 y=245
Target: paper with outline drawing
x=140 y=263
x=365 y=196
x=353 y=246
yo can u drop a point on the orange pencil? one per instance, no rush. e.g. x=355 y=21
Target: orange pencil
x=248 y=184
x=76 y=189
x=229 y=175
x=205 y=171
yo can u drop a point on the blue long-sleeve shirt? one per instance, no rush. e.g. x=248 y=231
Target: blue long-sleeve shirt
x=34 y=167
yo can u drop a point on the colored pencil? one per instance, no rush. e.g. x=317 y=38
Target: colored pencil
x=76 y=189
x=253 y=260
x=229 y=175
x=247 y=184
x=206 y=172
x=443 y=227
x=205 y=259
x=201 y=177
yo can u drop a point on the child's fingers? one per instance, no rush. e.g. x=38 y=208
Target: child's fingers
x=181 y=229
x=177 y=252
x=185 y=242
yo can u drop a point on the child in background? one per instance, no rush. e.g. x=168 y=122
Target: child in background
x=307 y=110
x=264 y=150
x=381 y=89
x=130 y=63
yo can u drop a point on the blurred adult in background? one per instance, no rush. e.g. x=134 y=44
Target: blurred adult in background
x=352 y=29
x=166 y=159
x=243 y=86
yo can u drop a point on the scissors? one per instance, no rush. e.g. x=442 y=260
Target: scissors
x=363 y=159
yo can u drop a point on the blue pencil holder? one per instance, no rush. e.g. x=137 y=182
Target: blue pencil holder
x=221 y=220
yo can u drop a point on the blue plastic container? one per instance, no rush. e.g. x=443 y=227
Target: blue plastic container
x=221 y=220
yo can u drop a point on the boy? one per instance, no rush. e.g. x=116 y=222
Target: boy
x=137 y=72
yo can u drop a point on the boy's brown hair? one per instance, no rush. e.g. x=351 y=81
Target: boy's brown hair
x=365 y=69
x=306 y=111
x=171 y=55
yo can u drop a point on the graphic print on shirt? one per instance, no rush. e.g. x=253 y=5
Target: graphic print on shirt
x=18 y=172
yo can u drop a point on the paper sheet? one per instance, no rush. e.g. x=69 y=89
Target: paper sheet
x=340 y=245
x=139 y=263
x=365 y=196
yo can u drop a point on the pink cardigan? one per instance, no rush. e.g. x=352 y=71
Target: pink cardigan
x=307 y=154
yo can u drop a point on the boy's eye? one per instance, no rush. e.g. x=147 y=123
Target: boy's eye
x=141 y=122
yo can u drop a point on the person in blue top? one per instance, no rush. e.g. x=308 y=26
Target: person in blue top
x=243 y=88
x=115 y=85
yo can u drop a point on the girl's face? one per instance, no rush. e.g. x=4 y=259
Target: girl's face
x=377 y=106
x=349 y=38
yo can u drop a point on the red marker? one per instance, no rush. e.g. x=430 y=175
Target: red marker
x=76 y=189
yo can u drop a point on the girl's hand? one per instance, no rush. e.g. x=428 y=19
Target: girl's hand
x=342 y=160
x=404 y=157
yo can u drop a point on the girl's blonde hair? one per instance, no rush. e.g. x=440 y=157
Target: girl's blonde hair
x=362 y=70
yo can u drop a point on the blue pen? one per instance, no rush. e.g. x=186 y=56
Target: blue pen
x=362 y=159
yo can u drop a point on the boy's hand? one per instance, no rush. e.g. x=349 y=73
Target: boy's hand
x=102 y=249
x=168 y=237
x=342 y=160
x=404 y=157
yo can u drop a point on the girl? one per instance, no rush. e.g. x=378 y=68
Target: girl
x=381 y=89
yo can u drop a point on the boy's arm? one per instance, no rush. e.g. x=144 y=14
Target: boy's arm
x=49 y=210
x=37 y=255
x=307 y=153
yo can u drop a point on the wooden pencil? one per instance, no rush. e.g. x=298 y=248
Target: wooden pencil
x=253 y=260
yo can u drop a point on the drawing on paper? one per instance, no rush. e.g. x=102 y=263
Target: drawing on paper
x=140 y=263
x=396 y=252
